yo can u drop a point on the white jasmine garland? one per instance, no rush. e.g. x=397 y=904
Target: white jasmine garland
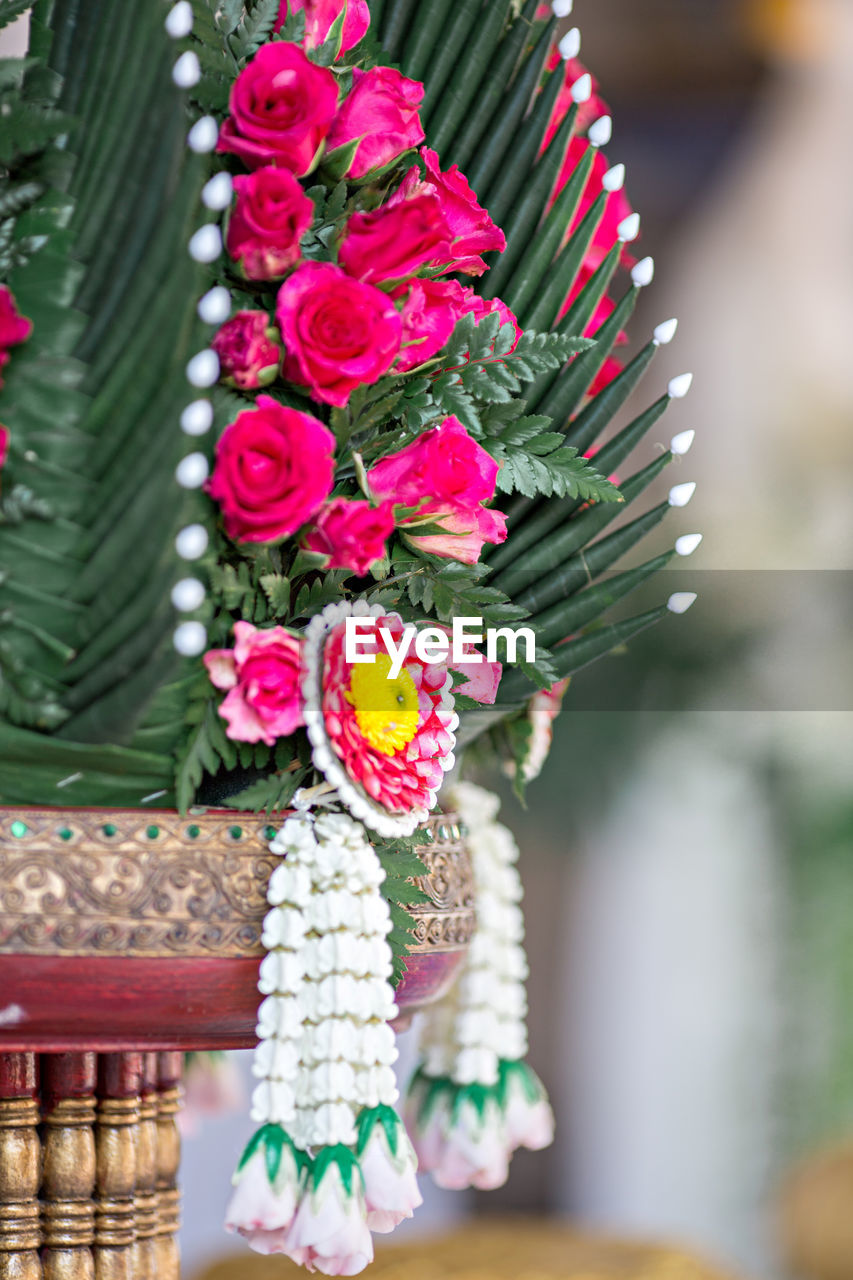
x=326 y=1088
x=474 y=1100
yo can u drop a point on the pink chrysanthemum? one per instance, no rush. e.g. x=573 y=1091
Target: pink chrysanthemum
x=383 y=741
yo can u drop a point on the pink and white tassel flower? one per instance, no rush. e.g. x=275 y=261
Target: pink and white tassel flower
x=474 y=1100
x=332 y=1161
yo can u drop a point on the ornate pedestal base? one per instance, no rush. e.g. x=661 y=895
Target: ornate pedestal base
x=89 y=1156
x=127 y=937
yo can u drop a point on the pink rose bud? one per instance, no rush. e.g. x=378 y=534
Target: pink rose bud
x=473 y=231
x=248 y=357
x=351 y=534
x=447 y=475
x=274 y=469
x=270 y=218
x=395 y=241
x=320 y=16
x=262 y=676
x=14 y=328
x=282 y=106
x=339 y=333
x=382 y=111
x=430 y=313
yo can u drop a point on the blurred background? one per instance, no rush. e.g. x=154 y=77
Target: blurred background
x=687 y=852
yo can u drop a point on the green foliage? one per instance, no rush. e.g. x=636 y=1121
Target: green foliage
x=403 y=869
x=255 y=28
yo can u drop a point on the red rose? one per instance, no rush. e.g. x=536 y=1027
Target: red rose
x=396 y=240
x=320 y=16
x=274 y=468
x=430 y=313
x=248 y=356
x=473 y=231
x=270 y=218
x=382 y=110
x=339 y=334
x=282 y=106
x=351 y=534
x=14 y=328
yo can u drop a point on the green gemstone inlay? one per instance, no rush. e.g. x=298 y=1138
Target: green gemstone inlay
x=109 y=829
x=235 y=832
x=19 y=829
x=270 y=833
x=152 y=832
x=65 y=833
x=193 y=832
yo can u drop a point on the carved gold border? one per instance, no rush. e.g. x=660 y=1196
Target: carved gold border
x=144 y=883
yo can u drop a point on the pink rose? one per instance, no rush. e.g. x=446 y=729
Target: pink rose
x=448 y=476
x=339 y=333
x=381 y=110
x=320 y=16
x=395 y=241
x=14 y=328
x=473 y=231
x=262 y=676
x=351 y=534
x=4 y=445
x=270 y=218
x=274 y=468
x=444 y=465
x=481 y=677
x=465 y=532
x=481 y=307
x=248 y=356
x=282 y=107
x=430 y=313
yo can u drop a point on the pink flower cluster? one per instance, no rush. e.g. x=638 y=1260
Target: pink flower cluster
x=380 y=302
x=340 y=329
x=274 y=473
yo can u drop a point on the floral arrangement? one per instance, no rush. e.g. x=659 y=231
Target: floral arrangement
x=392 y=347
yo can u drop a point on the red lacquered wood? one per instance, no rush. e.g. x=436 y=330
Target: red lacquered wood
x=106 y=1004
x=170 y=1070
x=120 y=1075
x=19 y=1075
x=67 y=1075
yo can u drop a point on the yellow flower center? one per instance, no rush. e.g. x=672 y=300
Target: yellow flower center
x=386 y=709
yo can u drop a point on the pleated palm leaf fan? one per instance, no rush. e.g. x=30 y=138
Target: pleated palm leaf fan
x=98 y=197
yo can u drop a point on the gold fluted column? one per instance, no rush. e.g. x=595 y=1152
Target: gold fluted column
x=20 y=1168
x=170 y=1073
x=68 y=1082
x=116 y=1139
x=145 y=1198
